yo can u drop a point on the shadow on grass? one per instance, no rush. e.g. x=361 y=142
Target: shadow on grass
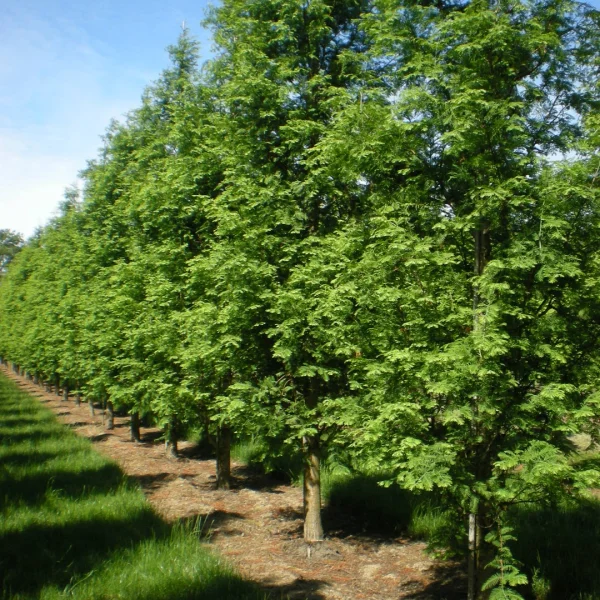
x=59 y=553
x=561 y=544
x=90 y=534
x=33 y=488
x=9 y=422
x=21 y=458
x=34 y=434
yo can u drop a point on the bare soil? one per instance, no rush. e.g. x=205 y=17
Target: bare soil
x=257 y=525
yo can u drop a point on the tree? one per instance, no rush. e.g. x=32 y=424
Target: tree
x=280 y=72
x=475 y=267
x=10 y=243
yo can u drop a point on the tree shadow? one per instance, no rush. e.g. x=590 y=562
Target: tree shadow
x=98 y=437
x=301 y=589
x=62 y=552
x=153 y=481
x=76 y=424
x=450 y=583
x=151 y=437
x=198 y=451
x=358 y=505
x=34 y=434
x=562 y=543
x=12 y=421
x=33 y=488
x=19 y=459
x=215 y=522
x=250 y=477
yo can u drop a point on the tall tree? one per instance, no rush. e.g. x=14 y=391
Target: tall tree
x=473 y=273
x=10 y=243
x=280 y=70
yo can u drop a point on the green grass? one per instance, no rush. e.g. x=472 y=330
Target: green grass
x=72 y=525
x=559 y=547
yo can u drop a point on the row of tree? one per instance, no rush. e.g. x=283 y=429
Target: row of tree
x=349 y=229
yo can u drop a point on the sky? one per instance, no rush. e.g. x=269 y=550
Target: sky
x=70 y=67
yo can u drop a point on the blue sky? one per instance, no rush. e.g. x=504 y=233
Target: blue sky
x=69 y=67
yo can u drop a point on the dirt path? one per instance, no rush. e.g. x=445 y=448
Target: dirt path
x=258 y=524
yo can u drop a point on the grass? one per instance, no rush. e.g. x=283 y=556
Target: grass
x=559 y=547
x=73 y=526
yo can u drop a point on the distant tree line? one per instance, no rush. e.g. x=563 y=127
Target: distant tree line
x=349 y=229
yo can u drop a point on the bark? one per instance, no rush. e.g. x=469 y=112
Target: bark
x=313 y=527
x=134 y=425
x=77 y=399
x=57 y=388
x=66 y=393
x=472 y=558
x=171 y=440
x=110 y=415
x=482 y=256
x=91 y=405
x=224 y=458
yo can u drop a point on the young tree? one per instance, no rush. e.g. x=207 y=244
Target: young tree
x=280 y=71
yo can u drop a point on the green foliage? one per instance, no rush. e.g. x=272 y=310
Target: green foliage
x=506 y=575
x=10 y=243
x=558 y=546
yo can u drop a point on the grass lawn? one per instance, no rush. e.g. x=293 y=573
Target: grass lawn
x=73 y=526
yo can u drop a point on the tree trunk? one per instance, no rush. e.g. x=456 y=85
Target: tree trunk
x=482 y=257
x=473 y=588
x=110 y=415
x=134 y=425
x=313 y=527
x=66 y=393
x=171 y=440
x=223 y=458
x=57 y=388
x=91 y=405
x=77 y=399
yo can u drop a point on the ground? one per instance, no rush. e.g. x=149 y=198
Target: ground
x=257 y=525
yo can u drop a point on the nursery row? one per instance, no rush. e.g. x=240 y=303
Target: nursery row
x=348 y=232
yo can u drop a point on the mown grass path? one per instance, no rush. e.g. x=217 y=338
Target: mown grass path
x=72 y=525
